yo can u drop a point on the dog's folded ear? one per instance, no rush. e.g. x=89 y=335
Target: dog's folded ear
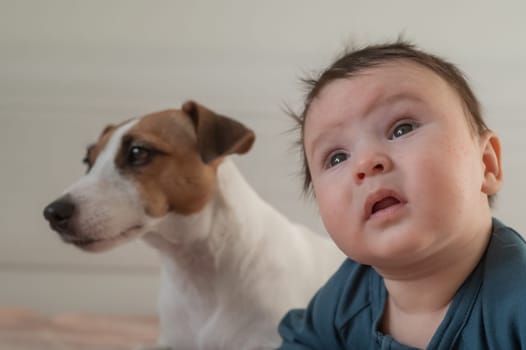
x=217 y=135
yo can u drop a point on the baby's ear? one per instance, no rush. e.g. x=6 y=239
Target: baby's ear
x=491 y=161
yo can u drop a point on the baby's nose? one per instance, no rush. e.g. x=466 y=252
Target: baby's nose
x=372 y=164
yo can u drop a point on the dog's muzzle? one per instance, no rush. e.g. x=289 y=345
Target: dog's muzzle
x=59 y=214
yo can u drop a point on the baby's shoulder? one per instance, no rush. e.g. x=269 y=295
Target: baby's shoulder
x=351 y=277
x=506 y=253
x=503 y=287
x=352 y=289
x=505 y=267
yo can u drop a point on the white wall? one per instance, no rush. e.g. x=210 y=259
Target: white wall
x=67 y=68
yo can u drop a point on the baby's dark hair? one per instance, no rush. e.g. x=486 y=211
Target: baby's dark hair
x=353 y=61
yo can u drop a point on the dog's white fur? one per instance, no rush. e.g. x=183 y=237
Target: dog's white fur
x=229 y=271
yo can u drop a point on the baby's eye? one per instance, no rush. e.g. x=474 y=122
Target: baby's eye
x=336 y=159
x=402 y=129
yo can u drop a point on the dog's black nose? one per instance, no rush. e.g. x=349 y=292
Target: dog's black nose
x=59 y=212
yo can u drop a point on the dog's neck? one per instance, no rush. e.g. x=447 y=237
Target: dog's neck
x=201 y=245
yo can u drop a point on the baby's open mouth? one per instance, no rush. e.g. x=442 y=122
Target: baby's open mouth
x=384 y=203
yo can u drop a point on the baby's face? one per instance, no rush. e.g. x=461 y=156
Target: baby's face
x=396 y=170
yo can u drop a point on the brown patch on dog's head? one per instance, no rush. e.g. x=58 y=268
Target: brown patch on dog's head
x=93 y=150
x=173 y=156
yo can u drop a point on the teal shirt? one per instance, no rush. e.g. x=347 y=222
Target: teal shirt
x=487 y=312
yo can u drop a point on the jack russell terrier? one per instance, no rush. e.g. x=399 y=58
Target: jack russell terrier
x=231 y=265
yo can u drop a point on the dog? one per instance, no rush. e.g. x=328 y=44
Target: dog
x=231 y=264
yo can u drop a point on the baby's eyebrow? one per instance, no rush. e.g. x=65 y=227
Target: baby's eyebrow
x=321 y=142
x=387 y=99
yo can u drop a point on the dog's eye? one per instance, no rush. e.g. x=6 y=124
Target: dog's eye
x=139 y=156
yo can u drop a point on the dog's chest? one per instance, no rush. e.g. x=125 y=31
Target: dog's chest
x=205 y=316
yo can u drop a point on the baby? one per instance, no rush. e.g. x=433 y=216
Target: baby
x=404 y=170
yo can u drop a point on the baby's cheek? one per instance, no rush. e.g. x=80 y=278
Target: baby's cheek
x=440 y=191
x=334 y=217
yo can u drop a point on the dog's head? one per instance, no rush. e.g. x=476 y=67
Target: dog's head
x=144 y=169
